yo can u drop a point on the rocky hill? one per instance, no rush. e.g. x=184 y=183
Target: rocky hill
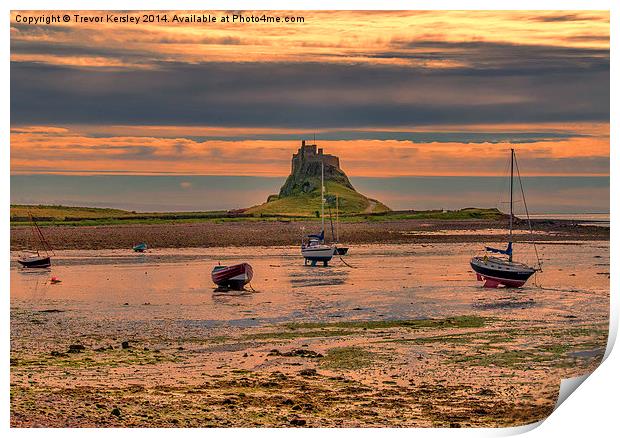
x=301 y=192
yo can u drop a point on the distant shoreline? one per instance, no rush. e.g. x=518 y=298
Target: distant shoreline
x=181 y=193
x=60 y=215
x=286 y=233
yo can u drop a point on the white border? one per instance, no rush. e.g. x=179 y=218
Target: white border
x=593 y=408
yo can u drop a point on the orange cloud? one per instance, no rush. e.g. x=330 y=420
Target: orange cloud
x=324 y=36
x=145 y=150
x=438 y=40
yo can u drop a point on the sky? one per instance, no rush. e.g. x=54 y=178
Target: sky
x=394 y=94
x=546 y=195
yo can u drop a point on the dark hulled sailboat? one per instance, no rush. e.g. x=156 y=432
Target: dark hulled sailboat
x=39 y=260
x=496 y=271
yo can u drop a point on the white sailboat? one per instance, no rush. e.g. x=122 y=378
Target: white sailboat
x=315 y=250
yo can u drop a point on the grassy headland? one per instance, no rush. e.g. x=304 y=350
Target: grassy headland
x=302 y=204
x=84 y=216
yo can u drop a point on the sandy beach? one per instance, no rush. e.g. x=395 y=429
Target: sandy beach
x=144 y=340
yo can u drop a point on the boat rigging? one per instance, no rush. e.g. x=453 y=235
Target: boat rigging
x=39 y=260
x=496 y=271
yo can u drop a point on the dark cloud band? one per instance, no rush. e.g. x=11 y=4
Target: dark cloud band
x=311 y=95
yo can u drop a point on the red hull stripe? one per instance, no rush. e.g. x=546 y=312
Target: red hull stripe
x=514 y=283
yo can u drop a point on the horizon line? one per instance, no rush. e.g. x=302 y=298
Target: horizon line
x=451 y=175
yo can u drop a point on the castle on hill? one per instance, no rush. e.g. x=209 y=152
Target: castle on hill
x=301 y=192
x=306 y=171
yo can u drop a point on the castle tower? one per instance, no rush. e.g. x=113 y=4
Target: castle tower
x=306 y=167
x=308 y=153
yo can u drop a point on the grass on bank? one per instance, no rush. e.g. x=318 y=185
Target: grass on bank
x=309 y=204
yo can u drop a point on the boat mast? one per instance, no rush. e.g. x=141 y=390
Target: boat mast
x=322 y=200
x=38 y=235
x=527 y=213
x=337 y=222
x=46 y=246
x=512 y=155
x=35 y=236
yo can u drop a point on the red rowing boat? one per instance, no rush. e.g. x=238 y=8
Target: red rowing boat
x=232 y=277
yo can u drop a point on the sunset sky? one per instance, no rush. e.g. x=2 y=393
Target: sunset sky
x=391 y=93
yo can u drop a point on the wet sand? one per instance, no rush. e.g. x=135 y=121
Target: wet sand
x=274 y=233
x=406 y=337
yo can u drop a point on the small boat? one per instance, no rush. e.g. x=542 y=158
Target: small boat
x=497 y=271
x=140 y=247
x=35 y=261
x=315 y=250
x=38 y=260
x=232 y=277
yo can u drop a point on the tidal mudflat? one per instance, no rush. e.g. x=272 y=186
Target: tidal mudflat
x=403 y=337
x=285 y=232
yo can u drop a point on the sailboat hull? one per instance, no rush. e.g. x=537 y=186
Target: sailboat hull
x=496 y=272
x=35 y=262
x=318 y=253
